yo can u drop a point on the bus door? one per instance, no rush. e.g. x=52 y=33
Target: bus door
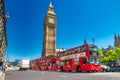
x=71 y=64
x=67 y=65
x=84 y=63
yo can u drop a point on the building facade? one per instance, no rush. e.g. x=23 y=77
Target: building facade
x=104 y=50
x=116 y=40
x=49 y=40
x=116 y=43
x=3 y=38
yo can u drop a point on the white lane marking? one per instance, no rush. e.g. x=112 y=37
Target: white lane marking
x=42 y=72
x=110 y=74
x=33 y=71
x=63 y=76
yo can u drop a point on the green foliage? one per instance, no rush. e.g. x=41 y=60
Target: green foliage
x=117 y=50
x=100 y=53
x=111 y=55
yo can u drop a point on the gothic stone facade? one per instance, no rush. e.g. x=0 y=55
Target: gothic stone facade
x=3 y=39
x=49 y=40
x=116 y=40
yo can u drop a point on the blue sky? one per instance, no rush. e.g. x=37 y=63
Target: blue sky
x=76 y=20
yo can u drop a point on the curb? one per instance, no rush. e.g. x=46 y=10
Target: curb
x=2 y=76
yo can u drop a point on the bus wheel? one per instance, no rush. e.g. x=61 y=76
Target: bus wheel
x=88 y=71
x=61 y=69
x=78 y=69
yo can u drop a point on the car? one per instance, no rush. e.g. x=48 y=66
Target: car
x=105 y=68
x=114 y=66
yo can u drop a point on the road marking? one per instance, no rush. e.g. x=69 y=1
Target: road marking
x=63 y=76
x=33 y=71
x=42 y=72
x=107 y=74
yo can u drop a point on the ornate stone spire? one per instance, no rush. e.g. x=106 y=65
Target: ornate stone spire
x=51 y=9
x=115 y=36
x=51 y=5
x=119 y=39
x=115 y=39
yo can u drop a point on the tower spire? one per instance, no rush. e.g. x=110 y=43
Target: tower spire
x=118 y=40
x=51 y=4
x=115 y=39
x=51 y=9
x=118 y=35
x=115 y=36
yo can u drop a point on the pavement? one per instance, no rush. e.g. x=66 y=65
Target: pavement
x=12 y=68
x=54 y=75
x=2 y=75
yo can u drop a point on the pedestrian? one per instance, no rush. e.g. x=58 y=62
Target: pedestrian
x=4 y=66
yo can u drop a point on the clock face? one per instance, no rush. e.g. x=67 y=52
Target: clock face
x=51 y=20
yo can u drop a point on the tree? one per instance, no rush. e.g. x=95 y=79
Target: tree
x=110 y=55
x=117 y=50
x=102 y=57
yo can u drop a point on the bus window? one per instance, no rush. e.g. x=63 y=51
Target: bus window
x=92 y=60
x=61 y=63
x=66 y=53
x=62 y=54
x=53 y=56
x=53 y=63
x=73 y=51
x=66 y=62
x=58 y=54
x=70 y=52
x=91 y=47
x=93 y=53
x=85 y=60
x=83 y=48
x=76 y=50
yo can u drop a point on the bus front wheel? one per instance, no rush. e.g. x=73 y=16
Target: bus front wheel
x=78 y=69
x=61 y=69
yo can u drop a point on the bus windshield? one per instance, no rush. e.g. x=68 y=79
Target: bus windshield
x=92 y=48
x=94 y=60
x=53 y=56
x=53 y=63
x=93 y=53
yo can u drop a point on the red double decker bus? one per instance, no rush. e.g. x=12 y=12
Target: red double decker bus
x=34 y=64
x=81 y=58
x=48 y=63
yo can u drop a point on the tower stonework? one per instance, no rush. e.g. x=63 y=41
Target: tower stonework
x=116 y=40
x=49 y=40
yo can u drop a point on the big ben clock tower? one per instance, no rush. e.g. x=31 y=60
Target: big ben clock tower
x=49 y=40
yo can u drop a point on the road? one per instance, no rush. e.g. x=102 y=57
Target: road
x=51 y=75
